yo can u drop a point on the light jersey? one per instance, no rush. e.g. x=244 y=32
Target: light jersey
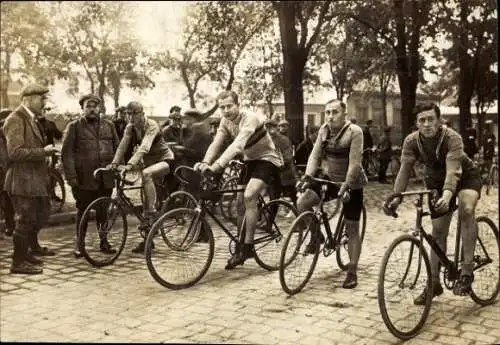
x=249 y=137
x=339 y=155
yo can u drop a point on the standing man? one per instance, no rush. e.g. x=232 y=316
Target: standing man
x=27 y=178
x=89 y=143
x=288 y=174
x=367 y=142
x=172 y=132
x=304 y=149
x=120 y=122
x=6 y=208
x=338 y=151
x=489 y=143
x=384 y=154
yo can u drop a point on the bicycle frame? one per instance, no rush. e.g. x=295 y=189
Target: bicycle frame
x=333 y=239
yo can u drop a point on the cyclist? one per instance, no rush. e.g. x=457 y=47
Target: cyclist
x=145 y=135
x=262 y=163
x=338 y=150
x=452 y=173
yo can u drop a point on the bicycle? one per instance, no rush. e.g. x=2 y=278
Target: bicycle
x=415 y=274
x=57 y=189
x=302 y=246
x=189 y=244
x=372 y=164
x=110 y=216
x=492 y=178
x=230 y=178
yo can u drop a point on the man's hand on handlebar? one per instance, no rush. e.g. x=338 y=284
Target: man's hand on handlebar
x=391 y=205
x=303 y=182
x=201 y=166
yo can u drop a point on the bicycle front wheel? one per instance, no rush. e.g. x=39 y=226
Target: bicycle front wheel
x=342 y=253
x=486 y=284
x=103 y=221
x=179 y=248
x=404 y=274
x=300 y=253
x=179 y=199
x=275 y=219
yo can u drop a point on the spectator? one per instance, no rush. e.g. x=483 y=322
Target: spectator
x=6 y=207
x=89 y=143
x=367 y=143
x=172 y=132
x=120 y=121
x=51 y=132
x=385 y=154
x=27 y=178
x=489 y=143
x=470 y=146
x=305 y=147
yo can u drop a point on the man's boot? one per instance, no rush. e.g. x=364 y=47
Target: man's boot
x=38 y=250
x=19 y=263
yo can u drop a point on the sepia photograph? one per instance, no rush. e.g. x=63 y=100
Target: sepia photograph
x=249 y=172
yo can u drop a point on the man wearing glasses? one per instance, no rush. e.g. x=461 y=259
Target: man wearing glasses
x=145 y=135
x=338 y=152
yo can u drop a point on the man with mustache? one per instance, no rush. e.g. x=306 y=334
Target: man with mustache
x=338 y=150
x=89 y=143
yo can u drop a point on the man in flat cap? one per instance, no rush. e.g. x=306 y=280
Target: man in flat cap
x=172 y=132
x=89 y=143
x=145 y=135
x=27 y=178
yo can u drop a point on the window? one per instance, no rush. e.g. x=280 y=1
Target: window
x=311 y=119
x=322 y=115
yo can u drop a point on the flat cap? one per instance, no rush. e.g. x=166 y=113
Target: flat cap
x=283 y=122
x=4 y=113
x=88 y=97
x=34 y=89
x=271 y=122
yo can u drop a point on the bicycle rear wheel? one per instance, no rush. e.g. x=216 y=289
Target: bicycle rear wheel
x=403 y=276
x=299 y=254
x=183 y=250
x=486 y=284
x=57 y=191
x=492 y=179
x=179 y=199
x=103 y=219
x=342 y=253
x=272 y=228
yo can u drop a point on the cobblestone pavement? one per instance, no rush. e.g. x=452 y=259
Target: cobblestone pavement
x=72 y=301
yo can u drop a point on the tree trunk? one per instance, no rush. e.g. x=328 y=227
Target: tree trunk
x=102 y=87
x=294 y=99
x=5 y=81
x=230 y=82
x=466 y=84
x=270 y=107
x=383 y=95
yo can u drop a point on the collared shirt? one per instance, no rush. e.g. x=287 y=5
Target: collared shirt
x=33 y=116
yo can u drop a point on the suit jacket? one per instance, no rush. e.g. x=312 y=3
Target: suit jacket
x=50 y=131
x=27 y=174
x=85 y=150
x=4 y=157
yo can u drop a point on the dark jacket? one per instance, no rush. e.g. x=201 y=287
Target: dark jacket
x=172 y=134
x=367 y=138
x=489 y=146
x=27 y=174
x=385 y=148
x=50 y=130
x=85 y=150
x=4 y=157
x=288 y=172
x=120 y=127
x=303 y=151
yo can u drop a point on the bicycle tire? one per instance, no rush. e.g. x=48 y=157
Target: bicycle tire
x=91 y=252
x=342 y=246
x=494 y=255
x=181 y=241
x=273 y=231
x=228 y=201
x=179 y=199
x=381 y=292
x=306 y=224
x=56 y=180
x=492 y=180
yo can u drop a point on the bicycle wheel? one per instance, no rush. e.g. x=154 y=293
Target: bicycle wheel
x=57 y=191
x=342 y=253
x=183 y=251
x=486 y=284
x=299 y=254
x=403 y=276
x=103 y=219
x=272 y=228
x=179 y=199
x=492 y=179
x=228 y=201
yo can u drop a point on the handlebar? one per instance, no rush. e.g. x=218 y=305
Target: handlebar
x=236 y=164
x=390 y=210
x=118 y=173
x=345 y=197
